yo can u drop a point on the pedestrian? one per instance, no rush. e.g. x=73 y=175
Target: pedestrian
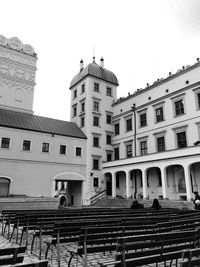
x=156 y=205
x=196 y=201
x=137 y=205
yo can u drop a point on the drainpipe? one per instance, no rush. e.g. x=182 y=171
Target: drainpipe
x=133 y=108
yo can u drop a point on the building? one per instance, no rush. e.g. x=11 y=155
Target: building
x=143 y=145
x=38 y=156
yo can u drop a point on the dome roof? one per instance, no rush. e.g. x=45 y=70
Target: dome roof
x=94 y=70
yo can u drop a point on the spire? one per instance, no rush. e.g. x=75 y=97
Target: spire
x=93 y=59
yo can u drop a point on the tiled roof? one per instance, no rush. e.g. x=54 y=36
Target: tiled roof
x=94 y=70
x=29 y=122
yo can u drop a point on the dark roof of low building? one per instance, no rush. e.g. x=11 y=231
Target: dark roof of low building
x=30 y=122
x=95 y=70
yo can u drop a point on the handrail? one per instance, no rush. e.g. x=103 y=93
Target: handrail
x=97 y=197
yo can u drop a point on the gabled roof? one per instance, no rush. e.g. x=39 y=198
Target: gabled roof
x=94 y=70
x=29 y=122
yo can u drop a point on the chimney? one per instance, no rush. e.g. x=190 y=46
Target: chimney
x=102 y=62
x=81 y=65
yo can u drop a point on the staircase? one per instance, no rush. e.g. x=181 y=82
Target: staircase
x=126 y=203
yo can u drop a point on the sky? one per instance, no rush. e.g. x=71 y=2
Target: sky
x=140 y=41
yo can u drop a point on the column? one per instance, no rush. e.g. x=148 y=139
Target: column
x=113 y=184
x=164 y=182
x=144 y=183
x=188 y=183
x=127 y=184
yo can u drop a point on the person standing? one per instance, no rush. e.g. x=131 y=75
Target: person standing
x=196 y=201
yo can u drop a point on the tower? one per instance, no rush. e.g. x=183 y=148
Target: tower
x=17 y=75
x=93 y=91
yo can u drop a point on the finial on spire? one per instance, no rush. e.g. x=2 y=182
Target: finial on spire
x=81 y=65
x=93 y=59
x=93 y=54
x=102 y=62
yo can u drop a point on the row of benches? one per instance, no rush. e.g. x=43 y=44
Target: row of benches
x=76 y=226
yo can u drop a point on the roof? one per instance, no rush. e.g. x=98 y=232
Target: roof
x=94 y=70
x=30 y=122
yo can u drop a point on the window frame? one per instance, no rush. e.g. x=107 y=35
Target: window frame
x=45 y=147
x=96 y=87
x=176 y=99
x=5 y=138
x=96 y=182
x=177 y=132
x=78 y=151
x=117 y=128
x=109 y=91
x=23 y=145
x=60 y=150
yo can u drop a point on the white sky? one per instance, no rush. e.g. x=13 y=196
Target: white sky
x=140 y=40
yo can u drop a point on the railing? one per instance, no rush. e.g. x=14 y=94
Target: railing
x=97 y=197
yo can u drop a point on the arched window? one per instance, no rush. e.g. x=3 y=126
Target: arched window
x=4 y=187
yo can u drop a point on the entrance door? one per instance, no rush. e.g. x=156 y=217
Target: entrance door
x=4 y=187
x=108 y=188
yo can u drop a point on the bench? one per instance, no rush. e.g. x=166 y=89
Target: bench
x=141 y=250
x=12 y=255
x=43 y=263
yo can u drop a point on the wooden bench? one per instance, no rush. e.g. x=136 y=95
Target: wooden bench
x=43 y=263
x=12 y=255
x=141 y=250
x=190 y=258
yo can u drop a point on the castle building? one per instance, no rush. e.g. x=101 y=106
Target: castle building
x=145 y=145
x=39 y=156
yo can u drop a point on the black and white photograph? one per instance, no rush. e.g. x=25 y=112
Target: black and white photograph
x=100 y=133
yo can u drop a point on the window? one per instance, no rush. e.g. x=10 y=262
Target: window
x=198 y=100
x=75 y=93
x=45 y=147
x=96 y=106
x=161 y=144
x=5 y=142
x=129 y=125
x=62 y=150
x=82 y=121
x=159 y=114
x=143 y=147
x=116 y=128
x=95 y=182
x=108 y=139
x=116 y=153
x=74 y=111
x=129 y=150
x=26 y=145
x=179 y=107
x=82 y=106
x=109 y=91
x=96 y=141
x=181 y=139
x=109 y=156
x=143 y=120
x=96 y=87
x=78 y=151
x=96 y=121
x=82 y=88
x=95 y=164
x=108 y=119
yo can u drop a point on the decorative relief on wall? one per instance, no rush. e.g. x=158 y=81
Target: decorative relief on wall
x=14 y=70
x=11 y=84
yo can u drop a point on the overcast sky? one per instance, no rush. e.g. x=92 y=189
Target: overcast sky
x=140 y=41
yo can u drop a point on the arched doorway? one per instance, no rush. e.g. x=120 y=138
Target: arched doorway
x=120 y=184
x=136 y=183
x=4 y=186
x=154 y=183
x=195 y=176
x=176 y=182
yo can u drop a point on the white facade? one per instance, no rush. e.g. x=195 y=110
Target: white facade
x=155 y=133
x=38 y=156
